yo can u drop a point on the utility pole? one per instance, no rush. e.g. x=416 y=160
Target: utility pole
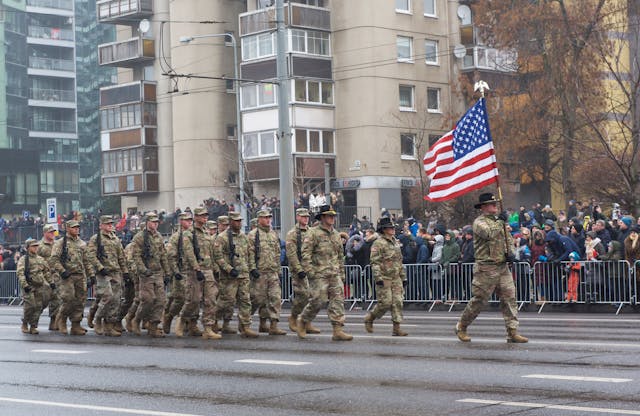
x=284 y=129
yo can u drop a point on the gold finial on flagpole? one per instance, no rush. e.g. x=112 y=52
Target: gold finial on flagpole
x=481 y=86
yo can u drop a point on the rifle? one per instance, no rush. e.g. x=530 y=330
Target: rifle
x=146 y=250
x=27 y=271
x=256 y=247
x=299 y=244
x=101 y=254
x=64 y=254
x=196 y=247
x=232 y=248
x=180 y=250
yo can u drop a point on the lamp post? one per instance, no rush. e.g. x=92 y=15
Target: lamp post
x=236 y=83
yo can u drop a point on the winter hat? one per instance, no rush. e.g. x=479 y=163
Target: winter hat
x=627 y=221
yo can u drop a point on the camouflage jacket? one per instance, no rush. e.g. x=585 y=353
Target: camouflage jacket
x=113 y=260
x=157 y=254
x=322 y=253
x=268 y=251
x=386 y=258
x=189 y=262
x=489 y=240
x=205 y=245
x=44 y=251
x=77 y=261
x=38 y=271
x=128 y=255
x=243 y=256
x=293 y=250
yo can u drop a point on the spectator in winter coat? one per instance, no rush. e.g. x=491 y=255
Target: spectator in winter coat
x=437 y=291
x=353 y=246
x=625 y=228
x=632 y=245
x=600 y=227
x=560 y=245
x=449 y=262
x=576 y=233
x=467 y=255
x=424 y=253
x=409 y=247
x=593 y=247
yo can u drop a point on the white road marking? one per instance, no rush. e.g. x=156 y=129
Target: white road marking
x=553 y=406
x=120 y=410
x=272 y=362
x=61 y=351
x=579 y=378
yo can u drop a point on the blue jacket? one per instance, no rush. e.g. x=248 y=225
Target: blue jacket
x=560 y=245
x=424 y=255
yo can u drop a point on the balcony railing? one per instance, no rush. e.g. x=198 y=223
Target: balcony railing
x=296 y=14
x=41 y=94
x=52 y=64
x=52 y=4
x=114 y=10
x=53 y=33
x=130 y=52
x=56 y=126
x=481 y=57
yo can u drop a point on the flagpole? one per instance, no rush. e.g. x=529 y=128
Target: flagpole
x=482 y=86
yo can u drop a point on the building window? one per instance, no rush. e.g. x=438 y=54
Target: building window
x=259 y=144
x=433 y=138
x=263 y=4
x=317 y=92
x=232 y=178
x=314 y=141
x=258 y=46
x=430 y=8
x=230 y=85
x=231 y=131
x=433 y=100
x=312 y=42
x=406 y=97
x=408 y=146
x=405 y=48
x=403 y=6
x=258 y=95
x=431 y=52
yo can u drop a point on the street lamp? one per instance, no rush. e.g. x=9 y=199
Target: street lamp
x=236 y=82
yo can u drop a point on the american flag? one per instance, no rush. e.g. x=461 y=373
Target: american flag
x=462 y=160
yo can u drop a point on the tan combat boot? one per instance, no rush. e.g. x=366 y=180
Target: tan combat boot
x=301 y=328
x=339 y=334
x=194 y=331
x=98 y=327
x=514 y=337
x=166 y=323
x=128 y=319
x=76 y=329
x=25 y=328
x=461 y=332
x=179 y=327
x=118 y=327
x=52 y=324
x=226 y=328
x=368 y=323
x=274 y=330
x=209 y=334
x=397 y=332
x=292 y=323
x=311 y=329
x=90 y=318
x=135 y=326
x=264 y=328
x=215 y=327
x=247 y=332
x=110 y=330
x=34 y=330
x=153 y=331
x=61 y=324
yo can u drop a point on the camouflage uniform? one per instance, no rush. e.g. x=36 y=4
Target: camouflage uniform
x=293 y=244
x=39 y=278
x=130 y=300
x=51 y=297
x=386 y=264
x=73 y=288
x=110 y=259
x=265 y=290
x=206 y=290
x=185 y=267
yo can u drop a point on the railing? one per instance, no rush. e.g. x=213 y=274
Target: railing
x=52 y=4
x=480 y=57
x=346 y=215
x=52 y=64
x=51 y=33
x=52 y=95
x=134 y=49
x=110 y=9
x=61 y=126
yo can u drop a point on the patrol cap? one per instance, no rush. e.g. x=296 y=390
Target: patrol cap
x=212 y=224
x=234 y=216
x=200 y=211
x=47 y=228
x=303 y=212
x=185 y=216
x=264 y=213
x=223 y=219
x=254 y=221
x=31 y=242
x=152 y=217
x=72 y=224
x=106 y=219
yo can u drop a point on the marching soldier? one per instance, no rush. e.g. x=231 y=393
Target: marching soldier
x=265 y=274
x=323 y=260
x=386 y=263
x=130 y=300
x=233 y=256
x=212 y=228
x=107 y=257
x=33 y=277
x=293 y=244
x=70 y=261
x=51 y=297
x=150 y=257
x=221 y=227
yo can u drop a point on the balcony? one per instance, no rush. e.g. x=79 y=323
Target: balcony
x=52 y=64
x=130 y=171
x=126 y=54
x=133 y=92
x=53 y=126
x=124 y=12
x=490 y=59
x=51 y=33
x=296 y=15
x=40 y=97
x=66 y=6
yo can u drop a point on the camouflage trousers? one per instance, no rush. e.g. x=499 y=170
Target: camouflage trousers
x=73 y=296
x=152 y=298
x=50 y=298
x=32 y=306
x=488 y=278
x=266 y=295
x=323 y=289
x=300 y=295
x=234 y=291
x=390 y=296
x=129 y=302
x=206 y=292
x=176 y=299
x=109 y=290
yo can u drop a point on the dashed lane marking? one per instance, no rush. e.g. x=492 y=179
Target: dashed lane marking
x=60 y=351
x=553 y=406
x=579 y=378
x=272 y=362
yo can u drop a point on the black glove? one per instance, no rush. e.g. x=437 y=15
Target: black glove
x=503 y=216
x=234 y=273
x=103 y=272
x=65 y=274
x=510 y=258
x=167 y=279
x=199 y=275
x=404 y=283
x=91 y=281
x=147 y=273
x=302 y=275
x=26 y=289
x=52 y=286
x=216 y=275
x=177 y=276
x=380 y=283
x=254 y=274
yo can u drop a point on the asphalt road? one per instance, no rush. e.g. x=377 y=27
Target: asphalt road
x=575 y=364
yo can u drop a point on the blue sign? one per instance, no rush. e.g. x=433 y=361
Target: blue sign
x=51 y=210
x=26 y=214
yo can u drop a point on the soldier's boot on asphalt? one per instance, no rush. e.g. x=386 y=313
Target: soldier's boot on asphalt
x=247 y=332
x=166 y=323
x=368 y=323
x=461 y=332
x=34 y=330
x=91 y=317
x=110 y=330
x=226 y=328
x=209 y=334
x=98 y=327
x=292 y=323
x=264 y=328
x=274 y=330
x=339 y=334
x=135 y=326
x=76 y=329
x=61 y=324
x=301 y=328
x=128 y=319
x=311 y=329
x=179 y=327
x=154 y=332
x=25 y=328
x=52 y=324
x=397 y=332
x=215 y=328
x=118 y=327
x=514 y=337
x=194 y=331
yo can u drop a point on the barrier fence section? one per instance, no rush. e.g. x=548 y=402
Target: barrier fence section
x=9 y=288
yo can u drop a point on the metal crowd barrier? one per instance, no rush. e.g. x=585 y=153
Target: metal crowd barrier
x=9 y=288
